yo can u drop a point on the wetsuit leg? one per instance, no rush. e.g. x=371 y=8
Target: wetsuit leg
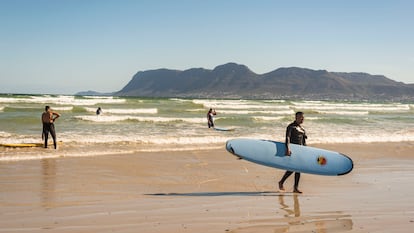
x=53 y=133
x=285 y=176
x=297 y=178
x=45 y=133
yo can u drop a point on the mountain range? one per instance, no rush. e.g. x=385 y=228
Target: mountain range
x=233 y=80
x=236 y=81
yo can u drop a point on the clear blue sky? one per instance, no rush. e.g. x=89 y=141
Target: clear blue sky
x=66 y=46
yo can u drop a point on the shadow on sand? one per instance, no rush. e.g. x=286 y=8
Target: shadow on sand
x=218 y=194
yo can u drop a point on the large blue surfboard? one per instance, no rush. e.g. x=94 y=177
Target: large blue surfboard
x=303 y=158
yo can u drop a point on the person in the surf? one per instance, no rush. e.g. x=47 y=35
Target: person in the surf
x=98 y=111
x=210 y=117
x=48 y=119
x=295 y=134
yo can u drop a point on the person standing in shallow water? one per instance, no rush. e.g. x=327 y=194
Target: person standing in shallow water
x=210 y=117
x=295 y=134
x=98 y=111
x=48 y=119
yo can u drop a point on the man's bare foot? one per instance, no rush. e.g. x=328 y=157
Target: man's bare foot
x=297 y=191
x=281 y=186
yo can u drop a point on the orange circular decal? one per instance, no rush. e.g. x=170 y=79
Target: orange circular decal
x=321 y=160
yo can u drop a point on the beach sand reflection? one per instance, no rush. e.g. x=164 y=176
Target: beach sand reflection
x=295 y=221
x=48 y=188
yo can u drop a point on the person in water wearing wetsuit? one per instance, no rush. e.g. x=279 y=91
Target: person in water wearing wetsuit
x=210 y=121
x=48 y=119
x=295 y=134
x=99 y=111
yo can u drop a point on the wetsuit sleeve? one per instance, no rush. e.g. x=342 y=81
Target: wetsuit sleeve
x=288 y=135
x=304 y=138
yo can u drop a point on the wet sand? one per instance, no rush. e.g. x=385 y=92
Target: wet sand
x=207 y=191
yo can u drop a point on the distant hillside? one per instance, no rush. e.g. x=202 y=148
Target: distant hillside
x=238 y=81
x=93 y=93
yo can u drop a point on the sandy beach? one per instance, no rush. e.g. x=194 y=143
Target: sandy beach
x=207 y=191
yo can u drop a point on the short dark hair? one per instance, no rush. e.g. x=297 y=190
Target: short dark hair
x=298 y=114
x=47 y=108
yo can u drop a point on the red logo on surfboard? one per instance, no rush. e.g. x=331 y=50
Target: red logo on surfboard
x=321 y=160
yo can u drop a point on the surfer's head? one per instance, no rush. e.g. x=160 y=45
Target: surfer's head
x=299 y=117
x=47 y=108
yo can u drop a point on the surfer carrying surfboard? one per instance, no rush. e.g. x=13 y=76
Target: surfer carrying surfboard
x=210 y=117
x=295 y=134
x=48 y=119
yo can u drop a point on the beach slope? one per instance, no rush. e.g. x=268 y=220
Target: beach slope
x=207 y=191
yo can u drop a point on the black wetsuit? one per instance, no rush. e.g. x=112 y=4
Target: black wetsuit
x=294 y=134
x=49 y=127
x=210 y=120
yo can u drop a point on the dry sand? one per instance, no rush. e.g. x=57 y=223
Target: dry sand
x=207 y=191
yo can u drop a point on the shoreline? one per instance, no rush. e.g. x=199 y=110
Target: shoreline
x=206 y=191
x=66 y=150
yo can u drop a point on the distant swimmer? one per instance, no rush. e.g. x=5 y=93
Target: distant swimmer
x=99 y=111
x=210 y=117
x=48 y=119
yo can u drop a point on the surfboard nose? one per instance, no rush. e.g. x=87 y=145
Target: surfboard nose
x=350 y=165
x=230 y=149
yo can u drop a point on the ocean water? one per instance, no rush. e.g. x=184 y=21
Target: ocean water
x=129 y=125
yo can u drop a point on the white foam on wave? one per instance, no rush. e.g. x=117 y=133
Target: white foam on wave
x=274 y=101
x=117 y=118
x=180 y=100
x=91 y=145
x=267 y=118
x=62 y=100
x=98 y=97
x=249 y=106
x=64 y=153
x=239 y=104
x=247 y=112
x=125 y=111
x=63 y=108
x=322 y=106
x=4 y=135
x=8 y=100
x=146 y=140
x=344 y=112
x=363 y=139
x=194 y=137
